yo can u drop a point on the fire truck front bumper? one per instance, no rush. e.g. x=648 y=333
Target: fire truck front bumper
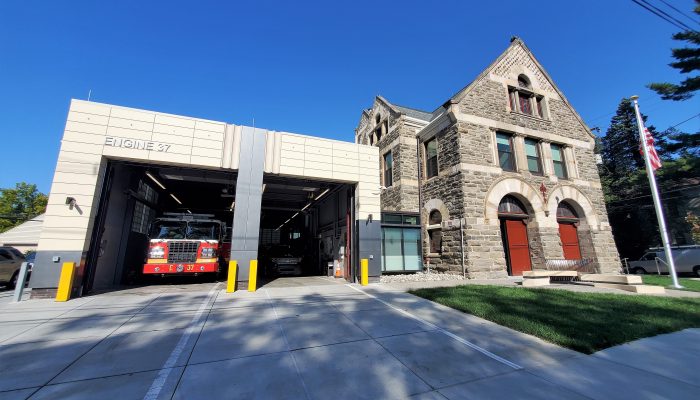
x=180 y=268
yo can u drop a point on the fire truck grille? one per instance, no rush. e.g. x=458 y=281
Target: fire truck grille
x=182 y=251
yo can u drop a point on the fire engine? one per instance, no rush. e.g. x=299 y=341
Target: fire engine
x=184 y=244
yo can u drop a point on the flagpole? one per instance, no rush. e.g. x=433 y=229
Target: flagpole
x=655 y=196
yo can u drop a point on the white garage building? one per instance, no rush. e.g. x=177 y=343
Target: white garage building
x=119 y=168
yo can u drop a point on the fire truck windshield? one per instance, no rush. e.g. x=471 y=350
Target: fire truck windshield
x=168 y=230
x=185 y=230
x=203 y=230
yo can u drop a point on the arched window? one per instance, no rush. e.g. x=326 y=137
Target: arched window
x=523 y=82
x=435 y=231
x=522 y=99
x=435 y=217
x=510 y=206
x=566 y=211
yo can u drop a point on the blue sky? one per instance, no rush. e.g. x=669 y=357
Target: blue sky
x=307 y=67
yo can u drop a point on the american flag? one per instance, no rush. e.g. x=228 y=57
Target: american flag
x=653 y=155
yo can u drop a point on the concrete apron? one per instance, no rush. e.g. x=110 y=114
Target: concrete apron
x=330 y=340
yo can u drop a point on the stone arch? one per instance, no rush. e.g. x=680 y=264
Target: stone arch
x=575 y=198
x=435 y=204
x=516 y=70
x=518 y=188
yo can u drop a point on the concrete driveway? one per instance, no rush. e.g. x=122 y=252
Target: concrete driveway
x=318 y=341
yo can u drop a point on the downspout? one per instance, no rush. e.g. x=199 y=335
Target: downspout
x=461 y=245
x=420 y=196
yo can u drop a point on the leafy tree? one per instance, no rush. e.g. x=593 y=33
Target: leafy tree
x=20 y=204
x=687 y=61
x=694 y=222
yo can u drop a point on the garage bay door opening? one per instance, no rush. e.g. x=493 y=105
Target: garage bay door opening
x=156 y=221
x=304 y=230
x=163 y=224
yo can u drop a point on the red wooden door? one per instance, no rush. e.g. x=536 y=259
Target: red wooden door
x=569 y=241
x=518 y=246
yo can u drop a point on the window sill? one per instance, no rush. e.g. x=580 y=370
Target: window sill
x=530 y=116
x=434 y=255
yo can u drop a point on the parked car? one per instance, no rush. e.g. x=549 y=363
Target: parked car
x=11 y=261
x=685 y=258
x=282 y=260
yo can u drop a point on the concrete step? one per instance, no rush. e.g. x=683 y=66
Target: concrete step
x=643 y=289
x=542 y=273
x=609 y=278
x=535 y=282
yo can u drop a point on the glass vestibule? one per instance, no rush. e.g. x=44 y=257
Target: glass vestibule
x=401 y=250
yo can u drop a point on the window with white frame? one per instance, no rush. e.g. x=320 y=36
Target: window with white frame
x=534 y=160
x=504 y=146
x=559 y=161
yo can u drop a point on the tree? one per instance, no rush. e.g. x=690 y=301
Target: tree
x=694 y=222
x=619 y=149
x=20 y=204
x=626 y=188
x=687 y=61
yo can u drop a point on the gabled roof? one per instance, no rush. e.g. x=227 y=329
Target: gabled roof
x=413 y=113
x=408 y=111
x=26 y=233
x=515 y=42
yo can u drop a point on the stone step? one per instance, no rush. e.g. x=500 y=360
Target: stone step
x=535 y=282
x=609 y=278
x=643 y=289
x=542 y=273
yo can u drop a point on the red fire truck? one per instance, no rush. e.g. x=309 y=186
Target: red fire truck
x=184 y=244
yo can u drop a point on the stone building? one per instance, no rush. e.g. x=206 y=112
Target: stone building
x=502 y=175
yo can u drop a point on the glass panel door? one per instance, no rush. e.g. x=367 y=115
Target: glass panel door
x=393 y=259
x=411 y=248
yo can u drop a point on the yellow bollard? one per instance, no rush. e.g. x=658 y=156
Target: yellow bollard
x=253 y=275
x=364 y=272
x=65 y=282
x=232 y=274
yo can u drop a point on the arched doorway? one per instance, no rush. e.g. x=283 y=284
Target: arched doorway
x=513 y=219
x=568 y=221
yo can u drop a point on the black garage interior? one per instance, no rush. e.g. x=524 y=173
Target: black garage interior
x=302 y=222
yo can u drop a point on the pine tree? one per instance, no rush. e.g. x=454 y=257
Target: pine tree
x=687 y=61
x=619 y=148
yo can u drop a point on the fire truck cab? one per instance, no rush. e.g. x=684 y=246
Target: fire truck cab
x=184 y=244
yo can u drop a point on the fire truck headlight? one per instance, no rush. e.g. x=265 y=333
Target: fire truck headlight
x=156 y=252
x=208 y=252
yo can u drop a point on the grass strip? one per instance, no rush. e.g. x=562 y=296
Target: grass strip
x=585 y=322
x=665 y=280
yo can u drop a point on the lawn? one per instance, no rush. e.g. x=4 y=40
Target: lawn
x=665 y=280
x=586 y=322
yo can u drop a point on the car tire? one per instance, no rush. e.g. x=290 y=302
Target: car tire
x=13 y=281
x=639 y=271
x=696 y=271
